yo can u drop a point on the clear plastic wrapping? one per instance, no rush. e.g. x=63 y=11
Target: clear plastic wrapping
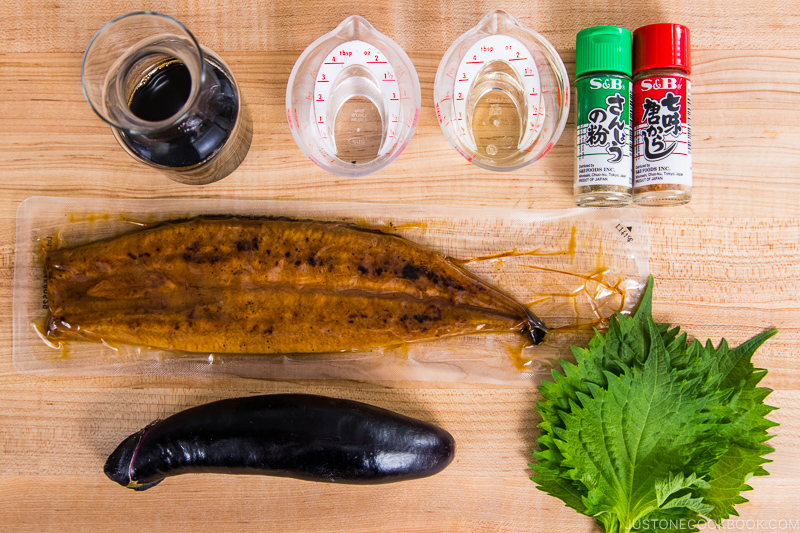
x=573 y=268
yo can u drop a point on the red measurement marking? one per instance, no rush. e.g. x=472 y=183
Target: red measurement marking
x=377 y=62
x=394 y=121
x=463 y=79
x=319 y=99
x=394 y=99
x=320 y=122
x=474 y=62
x=457 y=99
x=445 y=99
x=518 y=59
x=389 y=80
x=533 y=93
x=527 y=75
x=334 y=63
x=323 y=81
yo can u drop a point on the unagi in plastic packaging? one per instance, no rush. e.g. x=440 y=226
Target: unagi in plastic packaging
x=268 y=286
x=484 y=275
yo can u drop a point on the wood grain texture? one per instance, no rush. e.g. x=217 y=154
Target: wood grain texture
x=225 y=26
x=485 y=489
x=728 y=264
x=746 y=139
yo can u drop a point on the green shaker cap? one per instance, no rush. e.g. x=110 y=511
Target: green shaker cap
x=603 y=48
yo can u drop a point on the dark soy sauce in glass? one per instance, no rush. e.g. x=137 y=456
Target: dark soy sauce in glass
x=193 y=139
x=162 y=94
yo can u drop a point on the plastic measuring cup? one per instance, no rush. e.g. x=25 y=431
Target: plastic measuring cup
x=353 y=99
x=501 y=94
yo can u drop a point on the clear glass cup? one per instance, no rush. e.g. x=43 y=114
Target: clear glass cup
x=171 y=103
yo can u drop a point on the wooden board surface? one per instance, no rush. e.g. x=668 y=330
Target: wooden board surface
x=726 y=264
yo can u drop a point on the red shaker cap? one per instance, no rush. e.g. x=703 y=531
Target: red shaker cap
x=661 y=46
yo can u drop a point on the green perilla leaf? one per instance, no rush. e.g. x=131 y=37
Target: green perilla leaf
x=646 y=429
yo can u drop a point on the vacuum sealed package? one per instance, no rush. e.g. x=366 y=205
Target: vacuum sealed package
x=303 y=290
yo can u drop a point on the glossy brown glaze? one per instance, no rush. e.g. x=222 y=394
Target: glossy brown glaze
x=269 y=286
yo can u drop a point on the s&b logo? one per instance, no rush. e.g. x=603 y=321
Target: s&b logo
x=607 y=83
x=659 y=84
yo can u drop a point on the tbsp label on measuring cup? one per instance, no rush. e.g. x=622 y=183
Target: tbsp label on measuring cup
x=604 y=131
x=373 y=60
x=520 y=59
x=501 y=94
x=662 y=118
x=353 y=99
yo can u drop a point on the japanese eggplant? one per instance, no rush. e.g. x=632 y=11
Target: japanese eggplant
x=301 y=436
x=265 y=286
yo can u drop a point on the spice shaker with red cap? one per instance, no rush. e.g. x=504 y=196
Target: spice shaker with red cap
x=662 y=101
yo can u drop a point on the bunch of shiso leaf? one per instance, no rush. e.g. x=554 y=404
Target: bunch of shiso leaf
x=649 y=433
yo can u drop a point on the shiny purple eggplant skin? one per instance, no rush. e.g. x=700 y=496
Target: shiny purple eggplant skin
x=301 y=436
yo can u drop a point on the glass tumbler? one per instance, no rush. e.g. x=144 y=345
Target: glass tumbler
x=171 y=103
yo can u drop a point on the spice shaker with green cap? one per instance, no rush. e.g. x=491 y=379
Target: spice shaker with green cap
x=603 y=164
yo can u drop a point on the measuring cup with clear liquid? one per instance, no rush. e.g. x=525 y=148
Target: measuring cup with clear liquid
x=353 y=99
x=501 y=94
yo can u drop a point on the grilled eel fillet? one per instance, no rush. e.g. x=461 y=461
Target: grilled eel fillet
x=268 y=286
